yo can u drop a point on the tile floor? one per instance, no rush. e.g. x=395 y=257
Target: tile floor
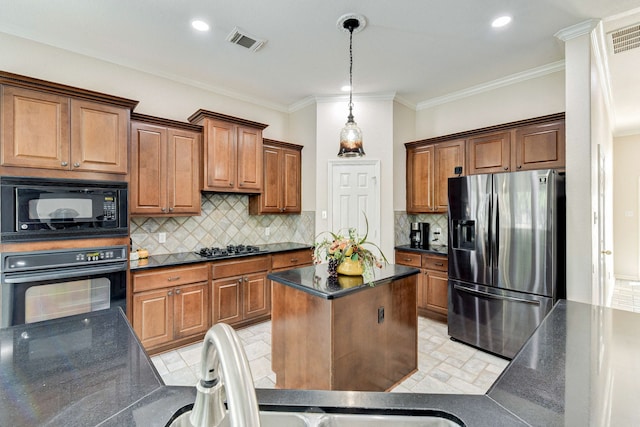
x=626 y=295
x=444 y=366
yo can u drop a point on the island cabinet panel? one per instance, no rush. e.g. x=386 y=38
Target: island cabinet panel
x=170 y=306
x=241 y=292
x=365 y=340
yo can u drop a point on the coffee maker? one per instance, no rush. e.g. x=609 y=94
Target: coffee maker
x=419 y=235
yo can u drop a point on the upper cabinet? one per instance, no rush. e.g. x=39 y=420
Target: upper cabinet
x=428 y=168
x=537 y=143
x=232 y=153
x=282 y=164
x=534 y=146
x=60 y=128
x=165 y=167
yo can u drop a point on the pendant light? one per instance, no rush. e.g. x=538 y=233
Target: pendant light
x=351 y=135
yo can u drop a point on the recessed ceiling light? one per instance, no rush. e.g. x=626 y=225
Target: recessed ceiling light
x=501 y=21
x=200 y=25
x=345 y=88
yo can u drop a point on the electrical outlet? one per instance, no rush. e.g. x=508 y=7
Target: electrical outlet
x=267 y=231
x=324 y=214
x=437 y=230
x=162 y=237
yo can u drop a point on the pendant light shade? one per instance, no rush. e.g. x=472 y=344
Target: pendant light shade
x=351 y=135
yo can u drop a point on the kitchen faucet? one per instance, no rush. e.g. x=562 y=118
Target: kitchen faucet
x=224 y=362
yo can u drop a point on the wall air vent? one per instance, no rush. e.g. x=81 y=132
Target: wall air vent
x=626 y=38
x=244 y=39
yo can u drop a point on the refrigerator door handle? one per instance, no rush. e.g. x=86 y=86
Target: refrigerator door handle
x=493 y=296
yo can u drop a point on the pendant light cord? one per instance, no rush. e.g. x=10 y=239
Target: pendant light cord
x=350 y=118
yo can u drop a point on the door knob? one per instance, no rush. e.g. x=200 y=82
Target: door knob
x=606 y=252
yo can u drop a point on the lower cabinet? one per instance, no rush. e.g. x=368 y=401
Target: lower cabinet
x=170 y=306
x=241 y=291
x=433 y=298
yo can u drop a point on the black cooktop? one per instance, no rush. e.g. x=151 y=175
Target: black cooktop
x=229 y=251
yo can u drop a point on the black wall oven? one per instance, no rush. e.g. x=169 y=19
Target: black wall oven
x=36 y=209
x=43 y=285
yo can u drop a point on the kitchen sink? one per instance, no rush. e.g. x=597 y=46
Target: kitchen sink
x=314 y=419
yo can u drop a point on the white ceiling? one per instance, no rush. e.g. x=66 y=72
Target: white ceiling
x=419 y=49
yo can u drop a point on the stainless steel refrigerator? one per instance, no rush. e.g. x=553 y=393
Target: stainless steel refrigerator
x=506 y=256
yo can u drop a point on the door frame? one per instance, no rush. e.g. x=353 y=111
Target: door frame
x=374 y=223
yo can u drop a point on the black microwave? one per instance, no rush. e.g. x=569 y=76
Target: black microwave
x=46 y=209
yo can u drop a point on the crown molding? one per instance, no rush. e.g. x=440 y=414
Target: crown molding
x=533 y=73
x=577 y=30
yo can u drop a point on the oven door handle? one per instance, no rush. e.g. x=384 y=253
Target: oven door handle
x=41 y=276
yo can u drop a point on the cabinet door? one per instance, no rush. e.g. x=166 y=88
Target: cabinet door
x=291 y=185
x=183 y=172
x=153 y=316
x=219 y=156
x=191 y=310
x=437 y=291
x=540 y=146
x=226 y=300
x=489 y=153
x=35 y=129
x=148 y=168
x=272 y=192
x=249 y=146
x=99 y=137
x=448 y=156
x=256 y=295
x=420 y=179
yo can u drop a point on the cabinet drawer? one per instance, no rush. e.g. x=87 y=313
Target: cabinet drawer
x=291 y=259
x=239 y=267
x=434 y=262
x=412 y=259
x=165 y=277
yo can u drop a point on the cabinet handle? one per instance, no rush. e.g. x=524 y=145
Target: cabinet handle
x=177 y=291
x=439 y=264
x=170 y=209
x=173 y=279
x=519 y=166
x=407 y=259
x=506 y=168
x=64 y=163
x=240 y=185
x=163 y=209
x=240 y=281
x=281 y=209
x=169 y=293
x=231 y=184
x=246 y=279
x=76 y=165
x=294 y=260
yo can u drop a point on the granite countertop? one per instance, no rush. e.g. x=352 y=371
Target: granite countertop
x=180 y=258
x=580 y=367
x=433 y=249
x=315 y=279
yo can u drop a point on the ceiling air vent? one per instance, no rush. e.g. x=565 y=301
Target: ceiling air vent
x=244 y=39
x=625 y=38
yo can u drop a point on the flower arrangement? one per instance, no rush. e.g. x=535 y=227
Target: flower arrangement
x=337 y=248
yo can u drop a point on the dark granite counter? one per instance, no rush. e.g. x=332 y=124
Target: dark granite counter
x=315 y=279
x=436 y=250
x=180 y=258
x=580 y=367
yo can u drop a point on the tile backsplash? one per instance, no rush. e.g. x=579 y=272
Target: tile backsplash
x=402 y=221
x=224 y=220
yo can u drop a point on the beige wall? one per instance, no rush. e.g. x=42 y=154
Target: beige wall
x=626 y=201
x=302 y=131
x=404 y=130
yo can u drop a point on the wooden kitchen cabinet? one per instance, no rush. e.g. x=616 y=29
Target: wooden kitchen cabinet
x=165 y=165
x=55 y=130
x=429 y=166
x=241 y=292
x=432 y=295
x=528 y=147
x=281 y=194
x=170 y=306
x=232 y=158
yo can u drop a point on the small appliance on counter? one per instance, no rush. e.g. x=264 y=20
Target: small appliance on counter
x=419 y=235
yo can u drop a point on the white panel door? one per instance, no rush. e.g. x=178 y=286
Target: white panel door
x=354 y=192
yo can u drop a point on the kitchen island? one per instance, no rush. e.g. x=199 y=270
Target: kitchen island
x=340 y=333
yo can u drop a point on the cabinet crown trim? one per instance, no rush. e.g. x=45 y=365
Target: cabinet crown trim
x=282 y=144
x=488 y=129
x=152 y=120
x=201 y=114
x=60 y=89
